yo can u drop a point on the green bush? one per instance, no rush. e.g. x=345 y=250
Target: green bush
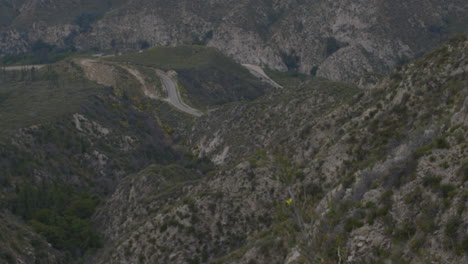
x=424 y=150
x=61 y=214
x=291 y=60
x=463 y=171
x=462 y=247
x=426 y=219
x=352 y=223
x=442 y=143
x=447 y=190
x=417 y=241
x=85 y=20
x=405 y=231
x=452 y=226
x=313 y=71
x=414 y=196
x=432 y=181
x=444 y=165
x=7 y=257
x=332 y=46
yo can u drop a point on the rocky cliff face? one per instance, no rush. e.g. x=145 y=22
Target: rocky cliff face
x=339 y=40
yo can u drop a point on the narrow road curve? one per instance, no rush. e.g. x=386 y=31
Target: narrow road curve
x=173 y=94
x=167 y=81
x=258 y=72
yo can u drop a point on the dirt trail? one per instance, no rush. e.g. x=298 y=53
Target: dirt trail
x=99 y=72
x=148 y=91
x=106 y=74
x=23 y=67
x=259 y=73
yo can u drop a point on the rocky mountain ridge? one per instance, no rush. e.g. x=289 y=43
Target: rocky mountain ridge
x=339 y=40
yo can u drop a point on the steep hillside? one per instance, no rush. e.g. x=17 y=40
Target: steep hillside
x=65 y=142
x=96 y=167
x=339 y=40
x=370 y=176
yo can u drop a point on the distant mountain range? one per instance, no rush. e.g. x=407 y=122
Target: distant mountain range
x=339 y=40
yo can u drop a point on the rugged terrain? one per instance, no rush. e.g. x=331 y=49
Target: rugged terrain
x=374 y=175
x=339 y=40
x=97 y=168
x=264 y=131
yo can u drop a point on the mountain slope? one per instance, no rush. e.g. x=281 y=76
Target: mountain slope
x=65 y=143
x=339 y=40
x=377 y=176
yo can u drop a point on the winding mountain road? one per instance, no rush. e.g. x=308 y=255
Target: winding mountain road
x=173 y=94
x=96 y=74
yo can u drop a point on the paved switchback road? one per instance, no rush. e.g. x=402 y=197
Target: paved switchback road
x=173 y=96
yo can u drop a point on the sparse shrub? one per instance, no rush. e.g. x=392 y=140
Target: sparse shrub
x=386 y=197
x=193 y=261
x=371 y=215
x=141 y=258
x=352 y=223
x=7 y=257
x=442 y=143
x=414 y=196
x=389 y=224
x=463 y=171
x=143 y=44
x=452 y=226
x=405 y=231
x=424 y=150
x=432 y=181
x=332 y=46
x=437 y=29
x=417 y=241
x=85 y=20
x=444 y=165
x=348 y=180
x=462 y=248
x=291 y=60
x=426 y=219
x=396 y=76
x=447 y=190
x=163 y=227
x=313 y=71
x=385 y=203
x=314 y=191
